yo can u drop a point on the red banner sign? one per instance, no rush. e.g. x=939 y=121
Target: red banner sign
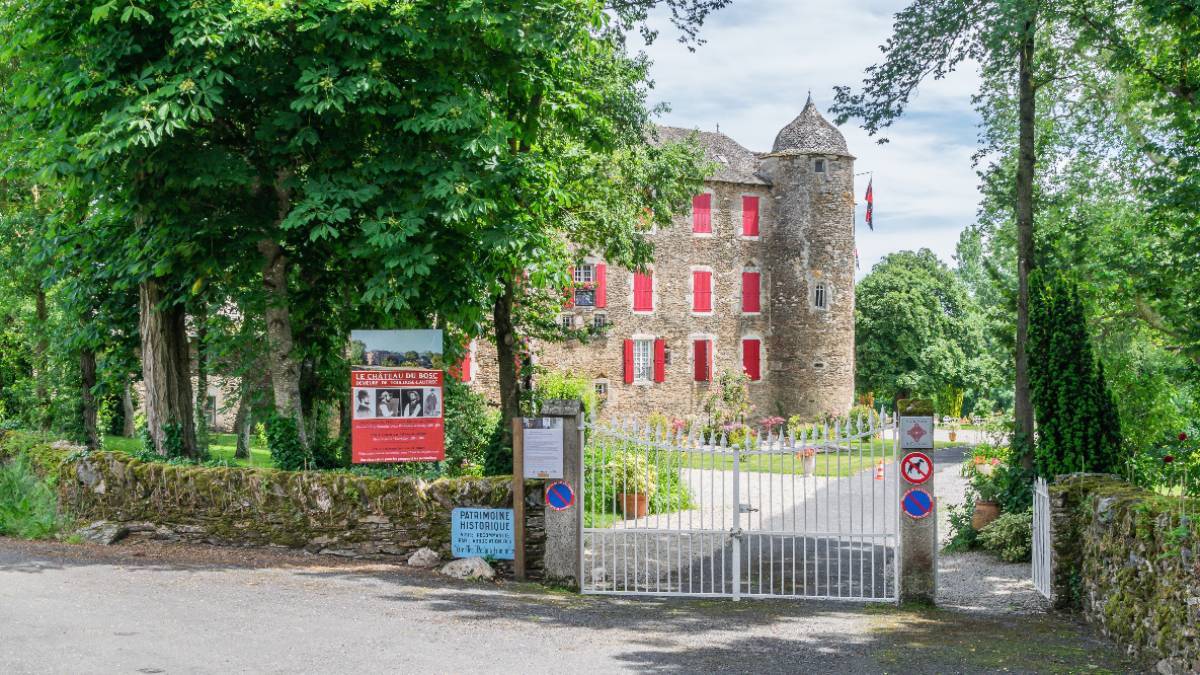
x=398 y=416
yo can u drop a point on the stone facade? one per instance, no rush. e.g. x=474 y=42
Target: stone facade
x=803 y=253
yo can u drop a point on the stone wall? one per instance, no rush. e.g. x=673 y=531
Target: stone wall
x=1122 y=558
x=322 y=512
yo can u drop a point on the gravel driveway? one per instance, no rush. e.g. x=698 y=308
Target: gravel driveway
x=148 y=607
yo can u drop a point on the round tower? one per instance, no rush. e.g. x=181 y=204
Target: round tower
x=811 y=261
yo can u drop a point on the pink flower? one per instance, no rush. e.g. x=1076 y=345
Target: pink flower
x=995 y=461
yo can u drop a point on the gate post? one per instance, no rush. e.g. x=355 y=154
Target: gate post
x=564 y=529
x=918 y=517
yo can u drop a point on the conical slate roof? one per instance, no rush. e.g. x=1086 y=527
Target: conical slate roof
x=810 y=133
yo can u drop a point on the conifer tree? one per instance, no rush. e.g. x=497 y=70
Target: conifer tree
x=1078 y=428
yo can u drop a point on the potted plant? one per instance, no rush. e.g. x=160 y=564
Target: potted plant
x=634 y=482
x=808 y=460
x=986 y=508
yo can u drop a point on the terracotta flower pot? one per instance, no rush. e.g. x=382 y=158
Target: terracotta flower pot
x=953 y=436
x=634 y=504
x=985 y=512
x=810 y=465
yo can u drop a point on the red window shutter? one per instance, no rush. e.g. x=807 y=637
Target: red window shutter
x=601 y=286
x=749 y=216
x=750 y=359
x=660 y=360
x=702 y=213
x=703 y=358
x=643 y=292
x=751 y=291
x=701 y=291
x=570 y=302
x=629 y=362
x=464 y=368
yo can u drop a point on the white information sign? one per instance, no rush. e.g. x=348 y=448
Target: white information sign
x=543 y=446
x=916 y=433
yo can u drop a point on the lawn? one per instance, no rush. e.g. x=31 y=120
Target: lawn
x=839 y=464
x=221 y=446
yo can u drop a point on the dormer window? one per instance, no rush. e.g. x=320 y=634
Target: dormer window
x=819 y=166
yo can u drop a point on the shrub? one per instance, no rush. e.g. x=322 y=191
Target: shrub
x=283 y=440
x=555 y=384
x=470 y=426
x=1010 y=536
x=963 y=536
x=28 y=504
x=630 y=472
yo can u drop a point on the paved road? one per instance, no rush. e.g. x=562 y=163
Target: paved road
x=144 y=607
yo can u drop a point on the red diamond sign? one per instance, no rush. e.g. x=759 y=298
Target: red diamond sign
x=916 y=432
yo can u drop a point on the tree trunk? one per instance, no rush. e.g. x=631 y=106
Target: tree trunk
x=129 y=429
x=87 y=372
x=165 y=366
x=506 y=354
x=1022 y=404
x=243 y=421
x=41 y=351
x=201 y=319
x=284 y=367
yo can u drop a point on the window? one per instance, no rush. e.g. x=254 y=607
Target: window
x=643 y=292
x=751 y=353
x=643 y=360
x=702 y=213
x=602 y=389
x=749 y=216
x=210 y=410
x=567 y=321
x=585 y=297
x=819 y=298
x=599 y=321
x=751 y=292
x=819 y=166
x=702 y=359
x=585 y=274
x=701 y=291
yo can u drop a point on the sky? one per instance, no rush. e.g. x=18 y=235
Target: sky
x=752 y=76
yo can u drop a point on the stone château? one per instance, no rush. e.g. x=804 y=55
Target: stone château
x=757 y=278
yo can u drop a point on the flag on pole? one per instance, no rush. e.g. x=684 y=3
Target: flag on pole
x=871 y=204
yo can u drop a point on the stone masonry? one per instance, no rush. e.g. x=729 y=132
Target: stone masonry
x=803 y=253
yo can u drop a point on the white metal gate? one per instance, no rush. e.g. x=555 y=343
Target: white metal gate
x=673 y=512
x=1041 y=537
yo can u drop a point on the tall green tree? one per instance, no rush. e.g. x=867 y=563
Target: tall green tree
x=1016 y=45
x=917 y=330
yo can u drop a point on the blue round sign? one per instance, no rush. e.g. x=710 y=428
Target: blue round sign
x=559 y=496
x=917 y=503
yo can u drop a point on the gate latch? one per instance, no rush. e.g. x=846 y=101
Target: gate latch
x=746 y=508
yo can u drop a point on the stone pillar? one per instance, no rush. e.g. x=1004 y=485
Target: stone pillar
x=564 y=529
x=918 y=536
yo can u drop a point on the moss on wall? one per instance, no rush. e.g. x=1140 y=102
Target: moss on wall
x=1127 y=558
x=333 y=513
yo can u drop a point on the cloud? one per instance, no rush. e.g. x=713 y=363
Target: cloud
x=752 y=76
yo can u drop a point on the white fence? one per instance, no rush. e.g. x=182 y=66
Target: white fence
x=1042 y=550
x=810 y=516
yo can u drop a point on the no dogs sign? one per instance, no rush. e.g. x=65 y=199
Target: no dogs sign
x=916 y=467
